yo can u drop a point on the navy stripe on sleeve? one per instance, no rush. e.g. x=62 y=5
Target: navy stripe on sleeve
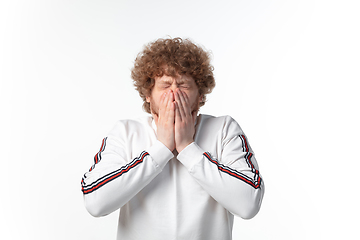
x=113 y=175
x=97 y=157
x=255 y=183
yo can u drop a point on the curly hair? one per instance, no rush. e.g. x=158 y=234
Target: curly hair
x=171 y=57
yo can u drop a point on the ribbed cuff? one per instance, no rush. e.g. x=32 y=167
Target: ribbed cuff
x=190 y=155
x=160 y=154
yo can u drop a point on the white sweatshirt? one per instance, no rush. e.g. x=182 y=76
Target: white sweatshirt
x=192 y=195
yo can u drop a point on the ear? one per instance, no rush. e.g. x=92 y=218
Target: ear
x=147 y=99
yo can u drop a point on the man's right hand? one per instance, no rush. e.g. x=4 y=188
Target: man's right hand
x=165 y=122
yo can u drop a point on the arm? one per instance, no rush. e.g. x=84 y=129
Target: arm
x=114 y=179
x=233 y=180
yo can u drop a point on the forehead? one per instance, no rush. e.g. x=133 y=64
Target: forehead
x=171 y=79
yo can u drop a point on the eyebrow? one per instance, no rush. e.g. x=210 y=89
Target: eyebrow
x=179 y=81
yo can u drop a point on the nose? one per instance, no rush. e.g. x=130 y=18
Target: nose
x=174 y=86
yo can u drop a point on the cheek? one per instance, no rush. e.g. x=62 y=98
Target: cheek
x=155 y=99
x=155 y=95
x=193 y=96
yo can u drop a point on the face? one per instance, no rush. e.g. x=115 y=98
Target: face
x=164 y=83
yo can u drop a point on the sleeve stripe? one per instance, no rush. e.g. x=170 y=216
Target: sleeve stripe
x=244 y=143
x=246 y=149
x=113 y=175
x=248 y=156
x=97 y=157
x=232 y=172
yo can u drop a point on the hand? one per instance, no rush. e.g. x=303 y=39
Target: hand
x=165 y=120
x=184 y=121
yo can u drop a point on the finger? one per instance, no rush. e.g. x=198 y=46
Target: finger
x=169 y=99
x=180 y=104
x=162 y=99
x=170 y=108
x=171 y=96
x=162 y=106
x=177 y=113
x=171 y=117
x=185 y=97
x=184 y=104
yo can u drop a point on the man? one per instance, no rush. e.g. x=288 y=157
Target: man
x=174 y=174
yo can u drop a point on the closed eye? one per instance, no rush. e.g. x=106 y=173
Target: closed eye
x=184 y=86
x=165 y=85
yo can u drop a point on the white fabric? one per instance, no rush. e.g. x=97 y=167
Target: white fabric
x=164 y=195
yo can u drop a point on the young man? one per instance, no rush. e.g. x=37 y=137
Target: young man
x=174 y=174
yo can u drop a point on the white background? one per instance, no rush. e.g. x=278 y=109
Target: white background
x=287 y=71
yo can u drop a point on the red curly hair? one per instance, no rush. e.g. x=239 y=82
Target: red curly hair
x=171 y=57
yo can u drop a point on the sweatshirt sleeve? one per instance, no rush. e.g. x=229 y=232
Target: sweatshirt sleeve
x=233 y=180
x=114 y=178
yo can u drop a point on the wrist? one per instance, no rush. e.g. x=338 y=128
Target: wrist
x=182 y=147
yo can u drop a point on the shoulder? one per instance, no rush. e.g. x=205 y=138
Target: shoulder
x=222 y=123
x=221 y=120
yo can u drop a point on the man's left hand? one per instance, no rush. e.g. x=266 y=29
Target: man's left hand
x=184 y=121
